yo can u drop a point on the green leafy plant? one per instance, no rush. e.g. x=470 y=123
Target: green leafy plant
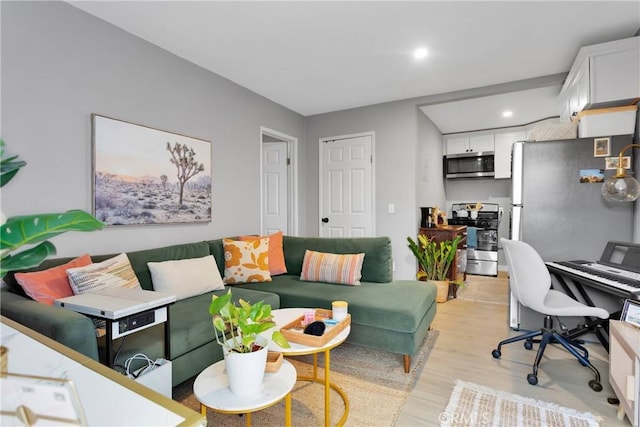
x=434 y=258
x=238 y=326
x=34 y=230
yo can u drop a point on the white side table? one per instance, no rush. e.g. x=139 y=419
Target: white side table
x=125 y=311
x=211 y=388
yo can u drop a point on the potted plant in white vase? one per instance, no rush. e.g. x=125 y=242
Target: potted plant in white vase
x=238 y=329
x=434 y=259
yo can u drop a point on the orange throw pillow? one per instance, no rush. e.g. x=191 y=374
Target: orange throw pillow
x=246 y=261
x=47 y=285
x=276 y=252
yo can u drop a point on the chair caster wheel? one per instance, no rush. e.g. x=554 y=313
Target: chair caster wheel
x=528 y=345
x=595 y=385
x=532 y=379
x=496 y=354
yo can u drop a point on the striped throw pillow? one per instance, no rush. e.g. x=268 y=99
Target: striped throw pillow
x=344 y=269
x=111 y=273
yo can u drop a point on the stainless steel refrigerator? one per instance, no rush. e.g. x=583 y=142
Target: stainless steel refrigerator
x=561 y=215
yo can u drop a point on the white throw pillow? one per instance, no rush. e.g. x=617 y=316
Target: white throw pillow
x=111 y=273
x=186 y=278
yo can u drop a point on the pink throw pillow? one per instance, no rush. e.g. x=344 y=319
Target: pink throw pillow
x=47 y=285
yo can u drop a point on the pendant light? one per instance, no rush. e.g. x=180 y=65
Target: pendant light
x=621 y=187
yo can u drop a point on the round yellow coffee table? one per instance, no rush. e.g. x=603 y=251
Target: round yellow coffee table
x=286 y=315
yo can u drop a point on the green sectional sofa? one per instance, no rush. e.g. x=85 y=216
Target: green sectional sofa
x=385 y=314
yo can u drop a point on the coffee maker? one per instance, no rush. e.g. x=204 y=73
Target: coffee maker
x=427 y=217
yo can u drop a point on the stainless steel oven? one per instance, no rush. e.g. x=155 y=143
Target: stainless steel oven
x=482 y=235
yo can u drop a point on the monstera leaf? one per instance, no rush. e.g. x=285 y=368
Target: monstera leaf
x=18 y=231
x=35 y=230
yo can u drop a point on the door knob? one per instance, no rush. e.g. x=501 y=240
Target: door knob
x=325 y=220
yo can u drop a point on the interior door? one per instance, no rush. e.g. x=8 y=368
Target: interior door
x=275 y=185
x=346 y=187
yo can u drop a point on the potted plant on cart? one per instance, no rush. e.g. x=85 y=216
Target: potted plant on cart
x=434 y=259
x=238 y=330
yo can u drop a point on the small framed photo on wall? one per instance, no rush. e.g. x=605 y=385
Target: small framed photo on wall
x=601 y=147
x=631 y=312
x=612 y=162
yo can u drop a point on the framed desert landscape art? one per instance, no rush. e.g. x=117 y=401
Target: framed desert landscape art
x=143 y=175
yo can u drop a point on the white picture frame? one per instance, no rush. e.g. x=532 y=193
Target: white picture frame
x=612 y=162
x=51 y=401
x=601 y=147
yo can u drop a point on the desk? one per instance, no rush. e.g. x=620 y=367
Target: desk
x=100 y=389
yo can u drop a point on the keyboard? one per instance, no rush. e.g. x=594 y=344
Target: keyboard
x=620 y=282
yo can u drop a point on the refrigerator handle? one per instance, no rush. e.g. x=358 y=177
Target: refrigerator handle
x=517 y=171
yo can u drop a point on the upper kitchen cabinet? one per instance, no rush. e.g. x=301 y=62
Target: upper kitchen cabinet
x=456 y=144
x=602 y=76
x=502 y=156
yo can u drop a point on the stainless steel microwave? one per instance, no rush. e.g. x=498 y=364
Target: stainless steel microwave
x=469 y=165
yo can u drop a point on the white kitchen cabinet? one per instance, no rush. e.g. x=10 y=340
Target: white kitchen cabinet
x=602 y=76
x=502 y=152
x=457 y=144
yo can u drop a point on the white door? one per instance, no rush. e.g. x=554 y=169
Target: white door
x=346 y=186
x=275 y=185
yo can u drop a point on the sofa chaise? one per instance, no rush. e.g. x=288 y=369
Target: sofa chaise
x=385 y=314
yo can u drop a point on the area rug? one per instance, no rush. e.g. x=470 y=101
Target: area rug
x=475 y=405
x=492 y=290
x=374 y=382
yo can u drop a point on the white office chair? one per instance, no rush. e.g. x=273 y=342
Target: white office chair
x=530 y=284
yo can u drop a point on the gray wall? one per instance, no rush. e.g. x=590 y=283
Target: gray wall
x=60 y=64
x=429 y=182
x=398 y=127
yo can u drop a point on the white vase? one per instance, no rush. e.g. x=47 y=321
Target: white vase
x=246 y=370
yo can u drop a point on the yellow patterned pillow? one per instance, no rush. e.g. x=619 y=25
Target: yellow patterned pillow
x=343 y=269
x=246 y=261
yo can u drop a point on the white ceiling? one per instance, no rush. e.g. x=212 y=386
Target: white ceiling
x=527 y=106
x=320 y=56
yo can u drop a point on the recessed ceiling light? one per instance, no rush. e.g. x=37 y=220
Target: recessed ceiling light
x=420 y=53
x=507 y=113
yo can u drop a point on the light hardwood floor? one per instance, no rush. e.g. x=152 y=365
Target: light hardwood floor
x=468 y=332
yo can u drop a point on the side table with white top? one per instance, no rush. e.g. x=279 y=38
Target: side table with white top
x=286 y=315
x=211 y=388
x=125 y=311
